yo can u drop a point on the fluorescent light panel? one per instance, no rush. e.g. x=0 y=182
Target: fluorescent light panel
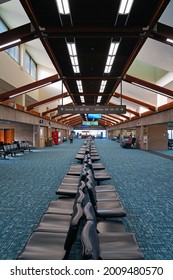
x=79 y=85
x=107 y=69
x=63 y=7
x=111 y=56
x=72 y=49
x=169 y=40
x=99 y=99
x=110 y=60
x=125 y=6
x=74 y=60
x=102 y=86
x=73 y=57
x=82 y=99
x=10 y=43
x=76 y=69
x=113 y=48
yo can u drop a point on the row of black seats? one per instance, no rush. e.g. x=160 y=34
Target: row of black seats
x=82 y=202
x=14 y=149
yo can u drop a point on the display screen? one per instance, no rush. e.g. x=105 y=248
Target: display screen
x=90 y=123
x=94 y=116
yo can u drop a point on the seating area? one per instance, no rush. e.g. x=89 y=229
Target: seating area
x=129 y=143
x=170 y=144
x=85 y=209
x=14 y=149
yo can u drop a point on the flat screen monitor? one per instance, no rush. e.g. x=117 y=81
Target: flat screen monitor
x=94 y=116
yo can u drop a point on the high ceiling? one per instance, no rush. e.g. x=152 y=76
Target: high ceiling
x=92 y=25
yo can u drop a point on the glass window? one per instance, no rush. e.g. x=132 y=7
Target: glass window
x=33 y=69
x=170 y=134
x=27 y=62
x=3 y=26
x=30 y=66
x=14 y=52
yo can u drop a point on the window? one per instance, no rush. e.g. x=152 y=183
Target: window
x=14 y=52
x=3 y=26
x=30 y=66
x=170 y=134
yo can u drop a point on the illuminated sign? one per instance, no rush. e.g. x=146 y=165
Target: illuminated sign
x=117 y=109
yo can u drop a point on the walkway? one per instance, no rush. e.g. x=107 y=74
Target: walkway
x=143 y=181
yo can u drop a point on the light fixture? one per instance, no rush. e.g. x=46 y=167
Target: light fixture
x=111 y=56
x=73 y=56
x=72 y=49
x=125 y=6
x=82 y=99
x=79 y=85
x=169 y=40
x=10 y=43
x=102 y=86
x=107 y=69
x=63 y=7
x=113 y=48
x=74 y=60
x=76 y=69
x=99 y=99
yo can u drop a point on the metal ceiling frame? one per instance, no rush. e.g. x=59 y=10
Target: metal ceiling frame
x=32 y=31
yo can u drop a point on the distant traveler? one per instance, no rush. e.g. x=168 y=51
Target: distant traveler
x=71 y=138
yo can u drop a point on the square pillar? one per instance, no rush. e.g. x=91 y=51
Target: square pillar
x=154 y=137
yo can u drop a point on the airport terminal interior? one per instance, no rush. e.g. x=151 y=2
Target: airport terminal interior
x=86 y=130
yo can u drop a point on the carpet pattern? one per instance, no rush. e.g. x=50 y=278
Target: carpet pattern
x=28 y=183
x=143 y=181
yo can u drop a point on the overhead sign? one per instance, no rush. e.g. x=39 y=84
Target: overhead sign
x=93 y=123
x=117 y=109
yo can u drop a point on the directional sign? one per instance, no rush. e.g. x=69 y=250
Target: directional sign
x=117 y=109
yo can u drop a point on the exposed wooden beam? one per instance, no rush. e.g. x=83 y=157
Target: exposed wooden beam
x=48 y=100
x=106 y=118
x=87 y=32
x=162 y=30
x=54 y=109
x=29 y=87
x=146 y=105
x=102 y=122
x=116 y=118
x=25 y=33
x=73 y=120
x=61 y=118
x=128 y=110
x=150 y=86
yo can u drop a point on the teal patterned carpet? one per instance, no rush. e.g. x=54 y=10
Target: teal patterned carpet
x=143 y=181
